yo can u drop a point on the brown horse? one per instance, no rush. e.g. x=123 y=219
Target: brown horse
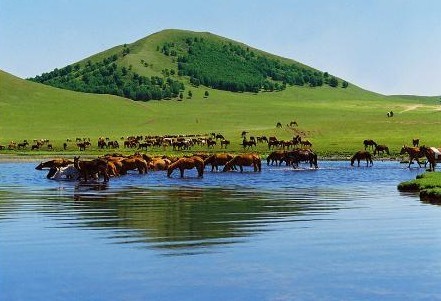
x=277 y=156
x=433 y=156
x=218 y=159
x=133 y=163
x=158 y=163
x=414 y=153
x=91 y=168
x=187 y=163
x=369 y=143
x=360 y=155
x=225 y=143
x=381 y=149
x=61 y=162
x=296 y=156
x=244 y=160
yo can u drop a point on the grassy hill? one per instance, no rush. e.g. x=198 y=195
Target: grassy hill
x=335 y=120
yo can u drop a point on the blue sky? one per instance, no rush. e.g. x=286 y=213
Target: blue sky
x=387 y=46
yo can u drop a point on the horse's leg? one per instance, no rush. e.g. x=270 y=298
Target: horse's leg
x=241 y=168
x=181 y=169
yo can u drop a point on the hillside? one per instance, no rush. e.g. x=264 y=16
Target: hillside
x=164 y=65
x=334 y=119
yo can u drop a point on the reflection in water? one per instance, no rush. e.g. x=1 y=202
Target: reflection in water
x=187 y=217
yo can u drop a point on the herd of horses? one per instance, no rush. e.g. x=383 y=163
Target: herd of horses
x=115 y=165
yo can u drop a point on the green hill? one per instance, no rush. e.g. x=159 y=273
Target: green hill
x=335 y=120
x=166 y=64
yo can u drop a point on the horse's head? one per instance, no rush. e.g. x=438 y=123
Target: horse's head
x=403 y=150
x=39 y=166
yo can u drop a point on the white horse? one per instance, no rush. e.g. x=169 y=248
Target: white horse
x=69 y=173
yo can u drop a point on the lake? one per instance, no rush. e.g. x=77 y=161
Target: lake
x=336 y=233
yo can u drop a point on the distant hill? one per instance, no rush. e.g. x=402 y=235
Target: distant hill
x=167 y=64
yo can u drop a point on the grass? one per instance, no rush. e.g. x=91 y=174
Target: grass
x=427 y=184
x=335 y=120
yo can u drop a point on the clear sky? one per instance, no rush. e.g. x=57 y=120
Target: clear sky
x=387 y=46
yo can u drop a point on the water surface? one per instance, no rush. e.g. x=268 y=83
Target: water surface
x=336 y=233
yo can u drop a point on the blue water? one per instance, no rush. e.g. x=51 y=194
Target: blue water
x=336 y=233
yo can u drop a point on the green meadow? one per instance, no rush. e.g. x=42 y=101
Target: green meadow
x=335 y=120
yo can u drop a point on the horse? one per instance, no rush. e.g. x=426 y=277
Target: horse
x=244 y=160
x=416 y=142
x=390 y=114
x=248 y=144
x=276 y=156
x=159 y=163
x=279 y=125
x=61 y=162
x=225 y=143
x=293 y=123
x=360 y=155
x=91 y=168
x=187 y=163
x=414 y=153
x=433 y=156
x=69 y=173
x=133 y=163
x=369 y=143
x=296 y=156
x=381 y=148
x=305 y=143
x=217 y=159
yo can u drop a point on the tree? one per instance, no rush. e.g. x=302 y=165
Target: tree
x=181 y=96
x=190 y=94
x=206 y=94
x=345 y=84
x=333 y=82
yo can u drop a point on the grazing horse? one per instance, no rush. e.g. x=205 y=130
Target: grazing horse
x=187 y=163
x=293 y=123
x=296 y=156
x=91 y=168
x=414 y=153
x=61 y=162
x=279 y=125
x=276 y=156
x=360 y=155
x=369 y=143
x=225 y=143
x=381 y=149
x=248 y=144
x=433 y=156
x=244 y=160
x=416 y=142
x=217 y=159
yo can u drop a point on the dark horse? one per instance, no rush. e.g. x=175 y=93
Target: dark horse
x=369 y=143
x=431 y=155
x=296 y=156
x=381 y=149
x=414 y=153
x=360 y=155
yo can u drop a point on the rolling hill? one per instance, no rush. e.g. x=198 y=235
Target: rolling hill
x=335 y=119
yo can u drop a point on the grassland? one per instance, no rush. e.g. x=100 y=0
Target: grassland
x=335 y=120
x=427 y=184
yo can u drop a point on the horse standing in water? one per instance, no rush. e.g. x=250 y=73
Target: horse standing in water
x=360 y=155
x=414 y=153
x=187 y=163
x=432 y=154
